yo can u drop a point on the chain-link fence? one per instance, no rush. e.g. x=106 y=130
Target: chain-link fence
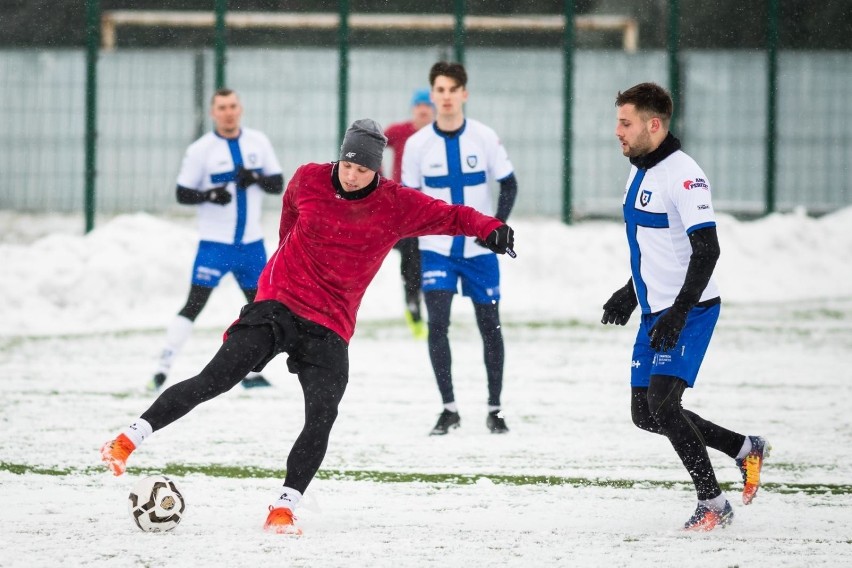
x=151 y=103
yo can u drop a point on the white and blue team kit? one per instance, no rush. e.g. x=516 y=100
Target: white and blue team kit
x=456 y=169
x=231 y=238
x=662 y=207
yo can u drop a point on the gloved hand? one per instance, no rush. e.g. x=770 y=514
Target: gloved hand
x=245 y=178
x=620 y=305
x=666 y=331
x=218 y=195
x=501 y=240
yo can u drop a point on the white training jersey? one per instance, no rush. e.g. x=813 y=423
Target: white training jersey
x=662 y=206
x=455 y=169
x=213 y=161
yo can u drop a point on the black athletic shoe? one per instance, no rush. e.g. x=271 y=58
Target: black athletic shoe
x=255 y=382
x=446 y=421
x=157 y=382
x=496 y=423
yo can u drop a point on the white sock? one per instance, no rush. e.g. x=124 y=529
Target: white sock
x=451 y=406
x=492 y=408
x=288 y=499
x=177 y=334
x=138 y=431
x=745 y=449
x=716 y=503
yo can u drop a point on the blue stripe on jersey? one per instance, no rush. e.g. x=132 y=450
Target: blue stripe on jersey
x=242 y=199
x=633 y=219
x=455 y=179
x=694 y=228
x=227 y=177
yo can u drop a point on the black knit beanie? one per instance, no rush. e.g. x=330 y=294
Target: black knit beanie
x=363 y=144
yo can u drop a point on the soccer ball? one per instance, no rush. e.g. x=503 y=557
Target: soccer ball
x=155 y=504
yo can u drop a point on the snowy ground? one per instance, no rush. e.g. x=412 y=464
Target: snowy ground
x=573 y=484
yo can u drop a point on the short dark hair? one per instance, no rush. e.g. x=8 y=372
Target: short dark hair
x=221 y=93
x=454 y=71
x=648 y=98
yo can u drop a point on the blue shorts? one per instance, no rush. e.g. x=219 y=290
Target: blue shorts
x=215 y=260
x=685 y=359
x=480 y=275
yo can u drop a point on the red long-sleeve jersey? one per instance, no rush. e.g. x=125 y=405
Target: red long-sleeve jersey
x=397 y=134
x=331 y=248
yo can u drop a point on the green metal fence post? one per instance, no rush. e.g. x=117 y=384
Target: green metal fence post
x=221 y=7
x=459 y=31
x=567 y=107
x=771 y=102
x=93 y=12
x=199 y=94
x=343 y=71
x=673 y=48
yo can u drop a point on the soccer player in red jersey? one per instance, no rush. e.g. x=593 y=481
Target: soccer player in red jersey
x=339 y=221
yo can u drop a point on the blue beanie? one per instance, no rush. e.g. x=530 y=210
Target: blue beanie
x=421 y=97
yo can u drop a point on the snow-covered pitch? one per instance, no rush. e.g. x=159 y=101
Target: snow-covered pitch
x=573 y=484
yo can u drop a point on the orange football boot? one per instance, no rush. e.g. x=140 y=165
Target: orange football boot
x=280 y=521
x=751 y=465
x=115 y=453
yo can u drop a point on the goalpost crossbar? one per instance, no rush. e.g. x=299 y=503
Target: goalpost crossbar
x=111 y=20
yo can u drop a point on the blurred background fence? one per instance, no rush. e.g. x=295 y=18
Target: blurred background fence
x=151 y=94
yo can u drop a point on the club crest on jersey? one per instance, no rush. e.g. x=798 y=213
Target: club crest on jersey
x=471 y=161
x=699 y=183
x=645 y=198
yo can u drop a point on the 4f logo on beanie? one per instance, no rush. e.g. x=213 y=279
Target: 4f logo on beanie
x=350 y=154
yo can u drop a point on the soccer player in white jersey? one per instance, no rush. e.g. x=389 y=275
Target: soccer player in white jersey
x=671 y=232
x=453 y=159
x=224 y=175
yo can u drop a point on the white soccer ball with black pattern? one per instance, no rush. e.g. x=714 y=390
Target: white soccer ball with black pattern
x=155 y=504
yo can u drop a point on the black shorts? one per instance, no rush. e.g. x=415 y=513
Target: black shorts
x=307 y=343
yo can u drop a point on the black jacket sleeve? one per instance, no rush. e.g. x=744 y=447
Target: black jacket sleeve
x=506 y=200
x=188 y=196
x=705 y=253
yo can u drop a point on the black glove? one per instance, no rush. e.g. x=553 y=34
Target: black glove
x=620 y=305
x=218 y=195
x=501 y=240
x=245 y=178
x=666 y=331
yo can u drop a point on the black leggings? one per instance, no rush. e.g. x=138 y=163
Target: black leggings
x=658 y=409
x=244 y=349
x=438 y=304
x=409 y=268
x=198 y=296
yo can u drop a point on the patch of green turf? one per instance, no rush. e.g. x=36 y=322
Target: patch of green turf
x=246 y=472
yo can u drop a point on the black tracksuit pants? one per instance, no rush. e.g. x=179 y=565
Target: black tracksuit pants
x=410 y=270
x=438 y=306
x=317 y=355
